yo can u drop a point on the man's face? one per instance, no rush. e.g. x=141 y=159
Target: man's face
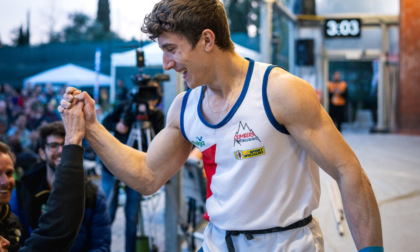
x=52 y=152
x=21 y=121
x=178 y=54
x=337 y=76
x=7 y=179
x=3 y=106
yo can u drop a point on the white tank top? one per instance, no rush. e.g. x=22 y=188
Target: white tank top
x=258 y=177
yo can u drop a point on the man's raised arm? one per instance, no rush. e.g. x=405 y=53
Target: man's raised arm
x=59 y=225
x=143 y=172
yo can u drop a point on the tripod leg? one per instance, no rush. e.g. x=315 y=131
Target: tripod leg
x=191 y=222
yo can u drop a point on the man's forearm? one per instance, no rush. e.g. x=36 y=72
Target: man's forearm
x=361 y=210
x=123 y=161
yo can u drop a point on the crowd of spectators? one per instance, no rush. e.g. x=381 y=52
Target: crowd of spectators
x=22 y=111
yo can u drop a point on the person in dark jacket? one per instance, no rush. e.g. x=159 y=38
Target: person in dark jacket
x=60 y=224
x=33 y=191
x=10 y=227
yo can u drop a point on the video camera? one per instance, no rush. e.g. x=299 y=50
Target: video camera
x=145 y=92
x=138 y=107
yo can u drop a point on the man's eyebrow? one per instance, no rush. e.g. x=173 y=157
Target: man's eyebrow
x=166 y=45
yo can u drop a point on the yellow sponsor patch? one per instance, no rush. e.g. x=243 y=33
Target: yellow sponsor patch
x=249 y=153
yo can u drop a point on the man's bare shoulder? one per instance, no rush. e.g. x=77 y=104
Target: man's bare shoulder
x=173 y=116
x=289 y=95
x=282 y=80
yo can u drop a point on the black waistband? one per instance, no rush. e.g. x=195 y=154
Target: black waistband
x=249 y=234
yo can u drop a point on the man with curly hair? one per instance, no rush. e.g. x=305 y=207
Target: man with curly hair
x=262 y=132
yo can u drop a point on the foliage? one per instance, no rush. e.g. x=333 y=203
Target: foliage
x=82 y=28
x=21 y=38
x=103 y=15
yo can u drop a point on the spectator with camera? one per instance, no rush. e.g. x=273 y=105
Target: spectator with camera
x=120 y=121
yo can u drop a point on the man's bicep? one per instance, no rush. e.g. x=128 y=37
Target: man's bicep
x=169 y=149
x=167 y=153
x=318 y=135
x=300 y=111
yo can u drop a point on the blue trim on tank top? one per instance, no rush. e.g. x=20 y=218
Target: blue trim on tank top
x=184 y=105
x=234 y=107
x=267 y=108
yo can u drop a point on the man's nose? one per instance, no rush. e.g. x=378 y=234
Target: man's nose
x=168 y=63
x=3 y=179
x=59 y=148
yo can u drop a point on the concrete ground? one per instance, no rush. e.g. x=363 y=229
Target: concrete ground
x=392 y=163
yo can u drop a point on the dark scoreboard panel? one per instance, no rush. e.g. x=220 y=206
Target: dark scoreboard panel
x=342 y=28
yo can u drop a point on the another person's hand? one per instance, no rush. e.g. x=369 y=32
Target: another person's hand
x=4 y=244
x=89 y=110
x=121 y=127
x=68 y=97
x=74 y=122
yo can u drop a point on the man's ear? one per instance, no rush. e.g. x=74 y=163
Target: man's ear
x=208 y=39
x=41 y=153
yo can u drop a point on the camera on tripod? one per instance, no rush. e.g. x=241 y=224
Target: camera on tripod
x=138 y=107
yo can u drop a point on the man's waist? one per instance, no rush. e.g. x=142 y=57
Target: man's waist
x=249 y=234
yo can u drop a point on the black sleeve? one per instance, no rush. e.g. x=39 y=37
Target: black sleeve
x=60 y=224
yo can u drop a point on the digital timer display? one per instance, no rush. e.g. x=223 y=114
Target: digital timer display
x=342 y=28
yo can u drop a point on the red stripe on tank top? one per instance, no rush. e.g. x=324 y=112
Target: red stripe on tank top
x=209 y=162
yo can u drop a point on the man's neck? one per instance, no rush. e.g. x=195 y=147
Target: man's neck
x=231 y=68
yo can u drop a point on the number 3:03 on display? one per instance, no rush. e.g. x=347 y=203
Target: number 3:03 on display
x=342 y=28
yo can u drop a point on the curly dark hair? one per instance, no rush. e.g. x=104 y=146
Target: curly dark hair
x=50 y=129
x=189 y=18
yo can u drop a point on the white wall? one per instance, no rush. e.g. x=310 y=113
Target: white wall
x=374 y=7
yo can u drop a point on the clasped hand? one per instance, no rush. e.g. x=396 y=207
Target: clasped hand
x=77 y=111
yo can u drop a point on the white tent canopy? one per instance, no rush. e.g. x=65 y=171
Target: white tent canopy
x=152 y=54
x=153 y=57
x=68 y=74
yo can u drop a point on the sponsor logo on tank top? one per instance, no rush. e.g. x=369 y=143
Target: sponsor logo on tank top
x=244 y=134
x=239 y=155
x=199 y=142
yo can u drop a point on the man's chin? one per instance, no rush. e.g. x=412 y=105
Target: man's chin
x=192 y=85
x=4 y=199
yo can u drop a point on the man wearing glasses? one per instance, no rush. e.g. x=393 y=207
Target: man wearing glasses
x=34 y=188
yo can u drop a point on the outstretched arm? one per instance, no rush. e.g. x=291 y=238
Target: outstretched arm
x=60 y=224
x=143 y=172
x=295 y=105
